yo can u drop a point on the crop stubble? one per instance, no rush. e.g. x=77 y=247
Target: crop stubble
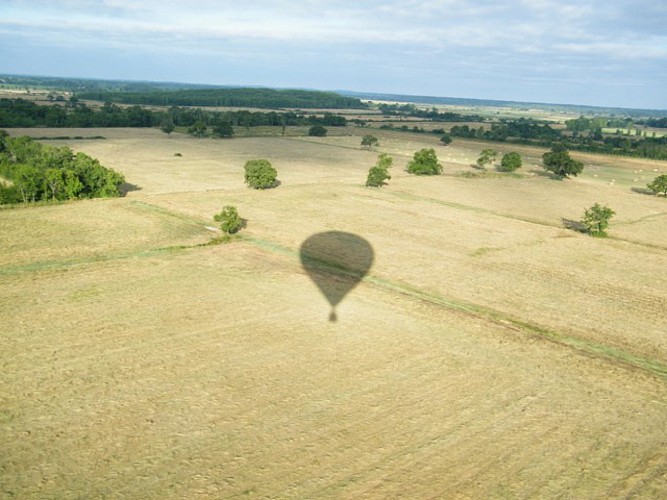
x=137 y=368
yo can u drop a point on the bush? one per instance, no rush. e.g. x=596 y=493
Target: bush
x=486 y=157
x=446 y=139
x=223 y=130
x=317 y=131
x=229 y=219
x=510 y=162
x=425 y=162
x=259 y=174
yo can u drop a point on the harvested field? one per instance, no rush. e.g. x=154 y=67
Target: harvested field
x=489 y=353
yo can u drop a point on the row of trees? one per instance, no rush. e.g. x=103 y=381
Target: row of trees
x=23 y=113
x=36 y=172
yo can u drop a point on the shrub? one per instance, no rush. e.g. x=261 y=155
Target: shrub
x=446 y=139
x=659 y=185
x=558 y=161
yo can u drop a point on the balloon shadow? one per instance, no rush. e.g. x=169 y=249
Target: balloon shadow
x=336 y=261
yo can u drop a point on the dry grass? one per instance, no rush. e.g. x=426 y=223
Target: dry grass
x=490 y=352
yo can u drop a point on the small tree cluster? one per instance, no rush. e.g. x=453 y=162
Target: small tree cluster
x=425 y=162
x=223 y=130
x=198 y=129
x=229 y=219
x=596 y=219
x=260 y=174
x=558 y=162
x=379 y=173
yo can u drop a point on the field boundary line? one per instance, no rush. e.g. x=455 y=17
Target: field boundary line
x=600 y=351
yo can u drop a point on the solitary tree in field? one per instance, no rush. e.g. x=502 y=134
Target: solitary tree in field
x=596 y=219
x=659 y=185
x=229 y=219
x=317 y=131
x=369 y=141
x=379 y=173
x=486 y=157
x=260 y=174
x=510 y=162
x=425 y=162
x=558 y=161
x=446 y=139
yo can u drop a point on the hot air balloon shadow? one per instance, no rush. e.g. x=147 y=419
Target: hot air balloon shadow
x=336 y=261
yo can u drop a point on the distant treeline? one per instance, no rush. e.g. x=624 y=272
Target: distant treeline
x=536 y=133
x=24 y=113
x=243 y=97
x=430 y=114
x=36 y=172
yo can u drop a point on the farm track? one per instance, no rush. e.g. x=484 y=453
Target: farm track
x=579 y=344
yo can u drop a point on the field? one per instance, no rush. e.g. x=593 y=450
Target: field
x=489 y=353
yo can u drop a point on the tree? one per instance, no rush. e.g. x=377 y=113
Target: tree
x=259 y=174
x=446 y=139
x=659 y=185
x=229 y=219
x=317 y=131
x=168 y=126
x=486 y=157
x=425 y=162
x=223 y=130
x=558 y=162
x=198 y=129
x=379 y=173
x=369 y=141
x=510 y=162
x=596 y=219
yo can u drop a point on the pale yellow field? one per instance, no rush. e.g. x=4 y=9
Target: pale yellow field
x=489 y=353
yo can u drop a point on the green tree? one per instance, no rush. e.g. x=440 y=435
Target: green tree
x=317 y=131
x=260 y=174
x=425 y=162
x=198 y=129
x=446 y=139
x=369 y=141
x=659 y=185
x=596 y=219
x=558 y=162
x=54 y=178
x=223 y=130
x=510 y=162
x=168 y=126
x=379 y=173
x=486 y=157
x=229 y=219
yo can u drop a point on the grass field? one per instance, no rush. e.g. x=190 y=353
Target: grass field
x=489 y=353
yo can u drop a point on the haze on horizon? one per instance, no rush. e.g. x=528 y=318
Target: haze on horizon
x=590 y=52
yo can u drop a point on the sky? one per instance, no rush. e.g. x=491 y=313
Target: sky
x=590 y=52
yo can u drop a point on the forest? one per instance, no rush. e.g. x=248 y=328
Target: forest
x=45 y=173
x=27 y=114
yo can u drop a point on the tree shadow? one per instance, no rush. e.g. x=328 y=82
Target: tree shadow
x=574 y=225
x=128 y=188
x=641 y=190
